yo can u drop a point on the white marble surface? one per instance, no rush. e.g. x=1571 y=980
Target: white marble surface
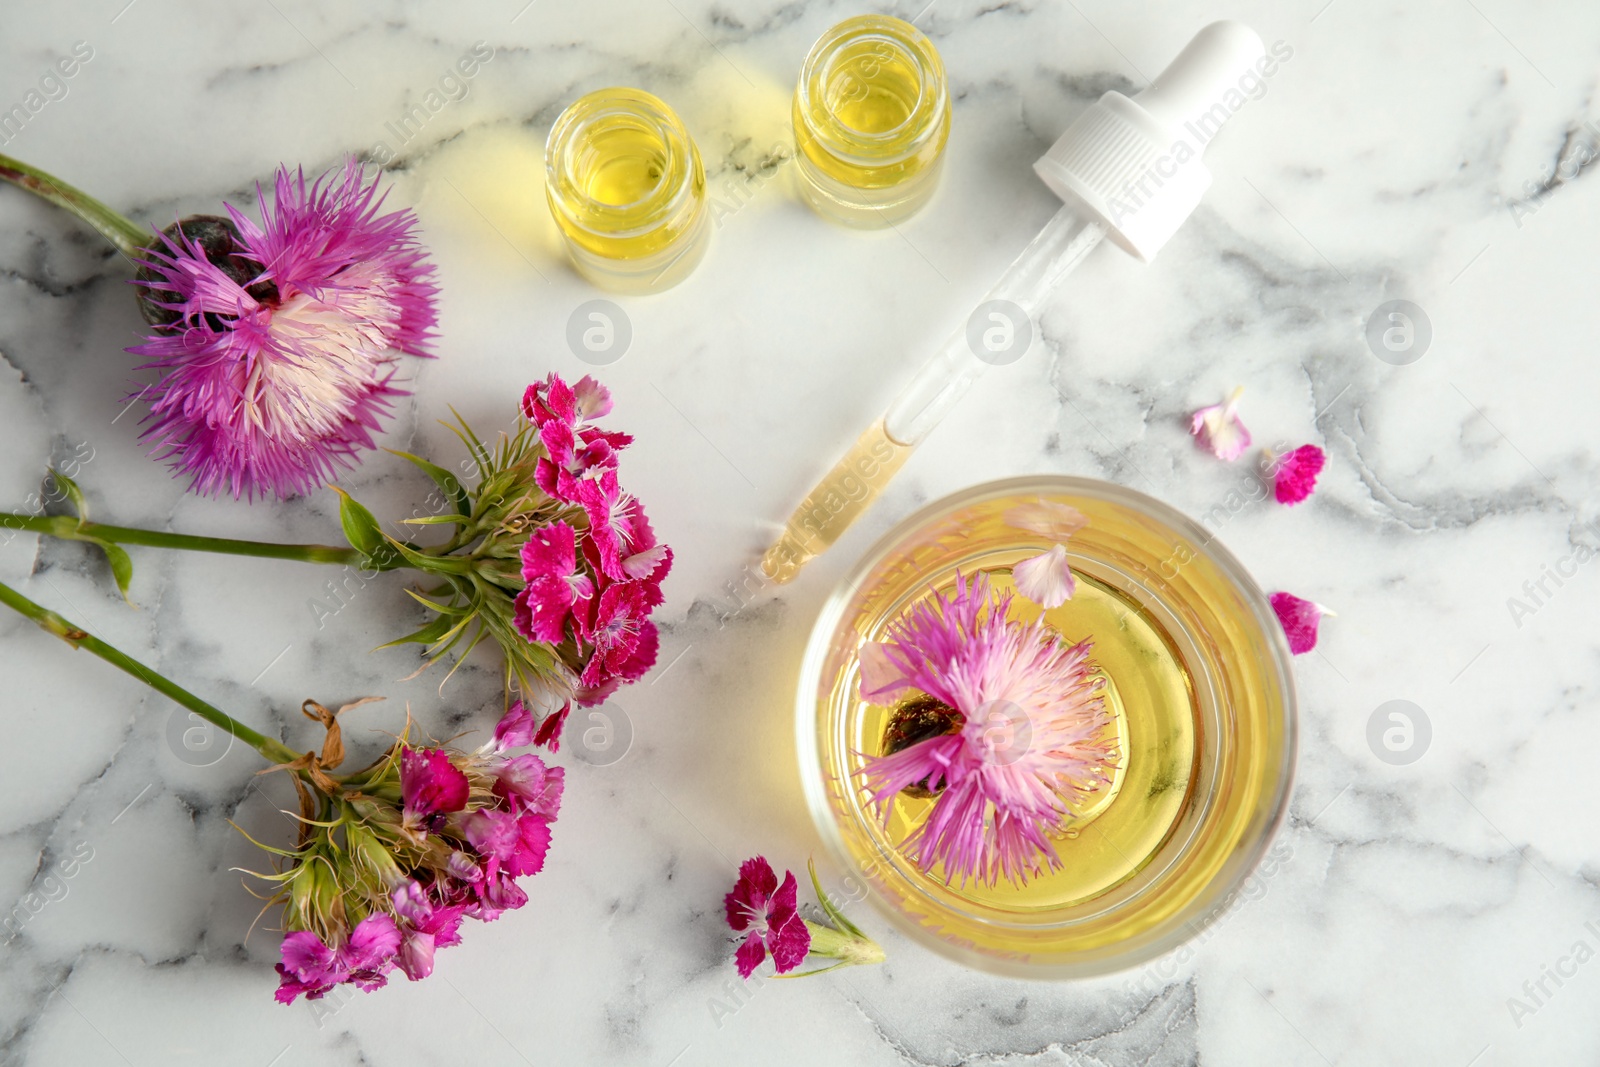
x=1393 y=157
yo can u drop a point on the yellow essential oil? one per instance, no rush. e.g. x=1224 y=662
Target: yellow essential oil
x=1202 y=708
x=847 y=491
x=628 y=191
x=871 y=117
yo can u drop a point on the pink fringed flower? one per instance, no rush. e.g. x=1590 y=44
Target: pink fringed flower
x=770 y=912
x=1029 y=741
x=1300 y=619
x=1219 y=429
x=1295 y=473
x=278 y=343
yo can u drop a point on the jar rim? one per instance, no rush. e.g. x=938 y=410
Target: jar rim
x=650 y=209
x=924 y=119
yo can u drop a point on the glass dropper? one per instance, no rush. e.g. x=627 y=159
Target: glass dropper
x=1128 y=169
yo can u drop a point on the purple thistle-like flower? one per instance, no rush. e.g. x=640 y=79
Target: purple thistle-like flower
x=1031 y=743
x=278 y=349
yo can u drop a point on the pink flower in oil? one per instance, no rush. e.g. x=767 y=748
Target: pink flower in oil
x=1046 y=579
x=1047 y=518
x=1219 y=428
x=555 y=584
x=312 y=967
x=278 y=344
x=1300 y=619
x=431 y=787
x=1295 y=473
x=1032 y=740
x=770 y=912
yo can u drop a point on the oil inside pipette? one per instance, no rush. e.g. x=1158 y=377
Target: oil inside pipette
x=847 y=491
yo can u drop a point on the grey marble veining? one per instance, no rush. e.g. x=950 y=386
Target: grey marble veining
x=1436 y=152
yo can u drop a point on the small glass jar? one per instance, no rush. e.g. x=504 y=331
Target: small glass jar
x=871 y=117
x=627 y=189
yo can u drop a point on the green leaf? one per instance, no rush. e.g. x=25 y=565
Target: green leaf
x=480 y=454
x=444 y=480
x=434 y=631
x=121 y=566
x=451 y=608
x=424 y=561
x=360 y=528
x=434 y=520
x=74 y=494
x=829 y=908
x=362 y=531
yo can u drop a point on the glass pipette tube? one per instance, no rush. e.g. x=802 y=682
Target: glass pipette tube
x=849 y=489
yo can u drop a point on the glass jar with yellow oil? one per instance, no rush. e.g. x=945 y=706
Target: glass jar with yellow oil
x=628 y=191
x=1201 y=702
x=871 y=117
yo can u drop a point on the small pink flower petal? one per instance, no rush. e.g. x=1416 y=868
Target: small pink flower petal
x=1296 y=474
x=641 y=564
x=750 y=955
x=592 y=400
x=1299 y=618
x=881 y=677
x=1219 y=429
x=790 y=941
x=749 y=896
x=1046 y=579
x=515 y=728
x=1047 y=518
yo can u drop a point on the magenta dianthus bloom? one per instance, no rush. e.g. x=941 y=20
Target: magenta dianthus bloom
x=278 y=343
x=1031 y=739
x=771 y=913
x=425 y=838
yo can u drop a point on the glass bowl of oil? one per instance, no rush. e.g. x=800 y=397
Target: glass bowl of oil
x=1198 y=680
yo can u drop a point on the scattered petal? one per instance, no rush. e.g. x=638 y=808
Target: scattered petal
x=1295 y=473
x=1299 y=618
x=1219 y=429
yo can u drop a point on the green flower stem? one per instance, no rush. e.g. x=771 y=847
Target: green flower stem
x=835 y=944
x=66 y=526
x=851 y=949
x=130 y=238
x=275 y=751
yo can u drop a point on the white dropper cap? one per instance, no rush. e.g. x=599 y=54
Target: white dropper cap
x=1137 y=163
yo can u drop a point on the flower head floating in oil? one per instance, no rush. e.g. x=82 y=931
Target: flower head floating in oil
x=1002 y=723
